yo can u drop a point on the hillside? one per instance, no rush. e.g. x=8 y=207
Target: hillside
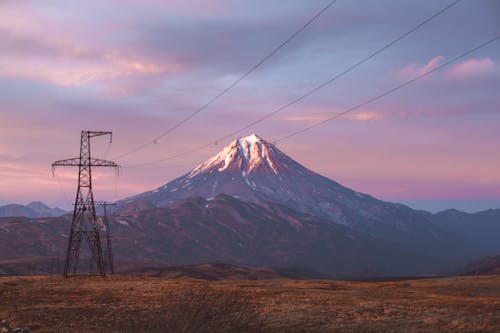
x=484 y=266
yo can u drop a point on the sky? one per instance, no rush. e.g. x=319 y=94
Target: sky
x=138 y=67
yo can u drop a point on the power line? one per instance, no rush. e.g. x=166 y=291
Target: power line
x=313 y=90
x=358 y=106
x=232 y=85
x=333 y=79
x=68 y=201
x=187 y=152
x=390 y=91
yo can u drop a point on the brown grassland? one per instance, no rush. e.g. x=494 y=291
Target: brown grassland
x=148 y=304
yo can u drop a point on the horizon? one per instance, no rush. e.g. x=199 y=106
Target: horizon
x=67 y=67
x=414 y=205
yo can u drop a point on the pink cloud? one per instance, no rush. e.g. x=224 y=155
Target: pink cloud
x=307 y=119
x=316 y=116
x=414 y=70
x=367 y=116
x=62 y=55
x=70 y=64
x=471 y=68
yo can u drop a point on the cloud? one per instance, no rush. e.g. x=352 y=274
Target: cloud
x=414 y=70
x=317 y=117
x=72 y=64
x=367 y=116
x=307 y=119
x=60 y=55
x=471 y=68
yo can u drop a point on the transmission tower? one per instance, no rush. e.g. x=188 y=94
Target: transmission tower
x=84 y=224
x=109 y=248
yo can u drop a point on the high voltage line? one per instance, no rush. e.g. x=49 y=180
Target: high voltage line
x=390 y=91
x=232 y=85
x=311 y=91
x=358 y=106
x=333 y=79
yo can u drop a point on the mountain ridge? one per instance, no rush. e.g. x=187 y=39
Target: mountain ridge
x=33 y=209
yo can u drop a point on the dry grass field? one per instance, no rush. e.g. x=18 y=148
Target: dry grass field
x=146 y=304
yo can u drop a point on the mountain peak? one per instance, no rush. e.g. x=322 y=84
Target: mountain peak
x=251 y=139
x=244 y=154
x=252 y=169
x=37 y=205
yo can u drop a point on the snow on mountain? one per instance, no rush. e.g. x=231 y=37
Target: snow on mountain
x=246 y=154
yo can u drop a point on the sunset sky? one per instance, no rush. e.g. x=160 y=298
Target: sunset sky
x=137 y=67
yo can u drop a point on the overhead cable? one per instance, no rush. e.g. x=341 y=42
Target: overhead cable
x=231 y=86
x=311 y=91
x=334 y=78
x=388 y=92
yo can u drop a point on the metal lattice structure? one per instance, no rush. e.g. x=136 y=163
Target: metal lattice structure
x=84 y=225
x=109 y=249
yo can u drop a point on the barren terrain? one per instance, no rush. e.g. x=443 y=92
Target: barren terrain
x=148 y=304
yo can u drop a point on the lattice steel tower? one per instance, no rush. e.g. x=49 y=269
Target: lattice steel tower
x=84 y=224
x=109 y=249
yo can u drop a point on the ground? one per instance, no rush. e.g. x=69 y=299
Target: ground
x=148 y=304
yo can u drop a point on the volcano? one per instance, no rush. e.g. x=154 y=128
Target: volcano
x=254 y=171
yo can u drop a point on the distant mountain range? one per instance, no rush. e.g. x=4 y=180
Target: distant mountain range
x=481 y=227
x=252 y=205
x=33 y=209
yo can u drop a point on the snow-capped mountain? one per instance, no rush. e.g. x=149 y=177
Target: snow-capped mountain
x=252 y=169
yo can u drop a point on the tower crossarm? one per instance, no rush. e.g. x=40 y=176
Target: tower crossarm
x=67 y=162
x=104 y=203
x=102 y=163
x=92 y=134
x=77 y=162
